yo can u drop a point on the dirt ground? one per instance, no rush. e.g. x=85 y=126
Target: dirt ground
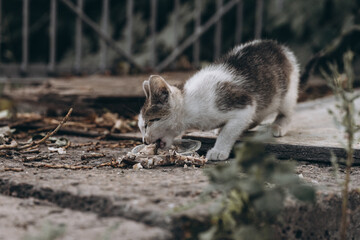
x=113 y=203
x=82 y=194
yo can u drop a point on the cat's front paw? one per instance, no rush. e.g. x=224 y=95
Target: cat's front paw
x=217 y=155
x=277 y=131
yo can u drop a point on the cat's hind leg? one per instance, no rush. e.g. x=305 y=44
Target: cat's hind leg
x=281 y=124
x=230 y=132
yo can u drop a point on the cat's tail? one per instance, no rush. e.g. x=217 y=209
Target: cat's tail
x=309 y=69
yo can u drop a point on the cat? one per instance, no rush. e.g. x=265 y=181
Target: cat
x=236 y=93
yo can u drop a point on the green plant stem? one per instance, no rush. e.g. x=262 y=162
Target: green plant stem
x=349 y=162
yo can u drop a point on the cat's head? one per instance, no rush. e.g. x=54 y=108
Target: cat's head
x=158 y=119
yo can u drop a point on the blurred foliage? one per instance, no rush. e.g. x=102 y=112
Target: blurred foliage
x=252 y=191
x=306 y=26
x=345 y=118
x=48 y=231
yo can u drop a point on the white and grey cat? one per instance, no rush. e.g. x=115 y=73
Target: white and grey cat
x=235 y=93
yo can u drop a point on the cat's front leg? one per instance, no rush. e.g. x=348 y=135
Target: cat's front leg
x=228 y=135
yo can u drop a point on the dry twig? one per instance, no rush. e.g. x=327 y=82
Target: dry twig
x=67 y=145
x=65 y=166
x=77 y=145
x=113 y=163
x=35 y=158
x=12 y=169
x=49 y=134
x=92 y=155
x=12 y=145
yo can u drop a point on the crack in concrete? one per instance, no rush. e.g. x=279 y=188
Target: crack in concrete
x=177 y=225
x=103 y=206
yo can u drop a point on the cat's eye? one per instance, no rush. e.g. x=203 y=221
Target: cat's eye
x=154 y=120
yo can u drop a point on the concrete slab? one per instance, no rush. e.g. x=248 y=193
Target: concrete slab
x=312 y=137
x=313 y=134
x=150 y=198
x=32 y=218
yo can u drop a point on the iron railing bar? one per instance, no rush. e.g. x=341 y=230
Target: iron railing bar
x=104 y=28
x=106 y=38
x=196 y=49
x=52 y=35
x=259 y=18
x=239 y=22
x=78 y=38
x=153 y=21
x=25 y=37
x=176 y=22
x=193 y=37
x=218 y=32
x=279 y=5
x=129 y=25
x=0 y=29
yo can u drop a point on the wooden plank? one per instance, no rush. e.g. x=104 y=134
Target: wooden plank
x=123 y=95
x=285 y=151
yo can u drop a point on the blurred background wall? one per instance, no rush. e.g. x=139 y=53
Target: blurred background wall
x=150 y=30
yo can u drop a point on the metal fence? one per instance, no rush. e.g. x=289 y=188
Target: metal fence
x=222 y=7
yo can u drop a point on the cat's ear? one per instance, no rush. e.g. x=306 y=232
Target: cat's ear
x=146 y=88
x=159 y=90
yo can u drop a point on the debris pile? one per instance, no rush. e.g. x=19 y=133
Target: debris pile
x=93 y=126
x=30 y=141
x=151 y=156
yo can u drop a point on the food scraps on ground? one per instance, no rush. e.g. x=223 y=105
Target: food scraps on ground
x=151 y=156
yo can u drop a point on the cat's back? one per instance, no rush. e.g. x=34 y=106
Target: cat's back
x=203 y=81
x=261 y=68
x=260 y=60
